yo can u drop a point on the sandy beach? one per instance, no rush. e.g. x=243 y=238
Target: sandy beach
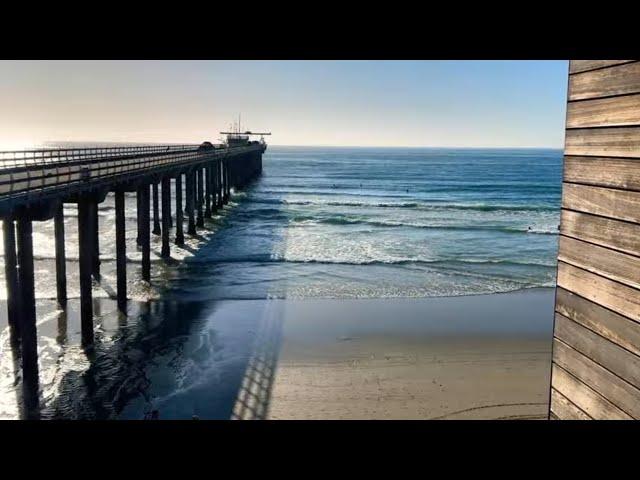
x=474 y=357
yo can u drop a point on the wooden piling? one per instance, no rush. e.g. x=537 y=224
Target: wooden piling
x=121 y=255
x=86 y=253
x=219 y=182
x=11 y=277
x=138 y=218
x=166 y=214
x=169 y=214
x=199 y=198
x=145 y=234
x=61 y=260
x=179 y=211
x=207 y=181
x=214 y=200
x=28 y=330
x=190 y=200
x=227 y=189
x=95 y=231
x=156 y=214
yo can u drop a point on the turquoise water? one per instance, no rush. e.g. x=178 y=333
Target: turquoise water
x=371 y=223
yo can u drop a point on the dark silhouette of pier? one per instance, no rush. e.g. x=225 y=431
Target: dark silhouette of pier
x=34 y=185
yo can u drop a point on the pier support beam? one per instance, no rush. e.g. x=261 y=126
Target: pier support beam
x=190 y=186
x=138 y=219
x=145 y=237
x=207 y=198
x=95 y=264
x=166 y=215
x=28 y=331
x=169 y=214
x=86 y=253
x=121 y=254
x=219 y=182
x=156 y=213
x=227 y=189
x=199 y=199
x=61 y=259
x=214 y=188
x=11 y=277
x=179 y=219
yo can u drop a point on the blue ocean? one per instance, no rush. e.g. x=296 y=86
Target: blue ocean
x=386 y=222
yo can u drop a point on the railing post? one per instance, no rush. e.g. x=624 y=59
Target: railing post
x=61 y=260
x=121 y=256
x=166 y=214
x=179 y=211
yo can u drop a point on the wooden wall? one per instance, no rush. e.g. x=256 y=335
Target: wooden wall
x=596 y=345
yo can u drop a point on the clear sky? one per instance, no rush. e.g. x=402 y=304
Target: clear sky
x=356 y=103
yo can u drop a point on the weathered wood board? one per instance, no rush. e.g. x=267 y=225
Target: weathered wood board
x=596 y=347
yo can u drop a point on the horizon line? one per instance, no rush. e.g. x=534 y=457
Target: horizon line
x=414 y=146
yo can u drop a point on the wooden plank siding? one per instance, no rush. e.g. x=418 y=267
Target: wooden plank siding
x=596 y=347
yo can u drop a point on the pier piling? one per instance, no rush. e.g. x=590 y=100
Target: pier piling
x=86 y=253
x=28 y=331
x=227 y=189
x=166 y=215
x=11 y=276
x=190 y=186
x=61 y=260
x=219 y=183
x=121 y=255
x=179 y=211
x=138 y=219
x=95 y=231
x=145 y=236
x=156 y=213
x=199 y=199
x=169 y=214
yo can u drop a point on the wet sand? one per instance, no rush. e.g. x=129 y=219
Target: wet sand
x=474 y=357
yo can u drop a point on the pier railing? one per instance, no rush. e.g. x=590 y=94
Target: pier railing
x=35 y=174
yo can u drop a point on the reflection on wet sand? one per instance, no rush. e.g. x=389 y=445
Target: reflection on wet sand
x=255 y=394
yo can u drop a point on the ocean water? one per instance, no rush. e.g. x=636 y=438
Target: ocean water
x=371 y=223
x=320 y=223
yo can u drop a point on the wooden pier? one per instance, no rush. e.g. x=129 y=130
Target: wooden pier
x=35 y=184
x=596 y=345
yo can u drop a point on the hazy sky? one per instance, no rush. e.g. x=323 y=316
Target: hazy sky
x=377 y=103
